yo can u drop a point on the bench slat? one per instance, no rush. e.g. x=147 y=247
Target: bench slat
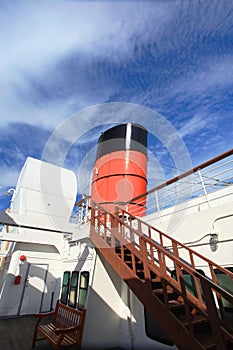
x=48 y=332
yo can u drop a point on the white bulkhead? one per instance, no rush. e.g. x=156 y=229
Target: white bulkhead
x=36 y=261
x=44 y=197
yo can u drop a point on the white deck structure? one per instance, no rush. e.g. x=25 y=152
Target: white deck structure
x=44 y=198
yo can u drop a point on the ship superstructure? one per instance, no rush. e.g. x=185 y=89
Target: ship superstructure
x=153 y=268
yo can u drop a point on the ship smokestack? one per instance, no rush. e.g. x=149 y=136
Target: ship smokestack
x=120 y=170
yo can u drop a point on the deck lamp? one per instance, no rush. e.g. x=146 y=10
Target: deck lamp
x=22 y=258
x=213 y=242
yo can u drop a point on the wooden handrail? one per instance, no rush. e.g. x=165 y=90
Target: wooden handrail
x=191 y=251
x=102 y=211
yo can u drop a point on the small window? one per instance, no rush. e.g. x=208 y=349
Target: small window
x=226 y=283
x=73 y=289
x=83 y=286
x=65 y=287
x=189 y=281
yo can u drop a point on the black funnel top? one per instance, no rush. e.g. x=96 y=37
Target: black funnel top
x=122 y=137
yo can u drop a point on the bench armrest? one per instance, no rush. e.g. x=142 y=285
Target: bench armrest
x=44 y=314
x=67 y=330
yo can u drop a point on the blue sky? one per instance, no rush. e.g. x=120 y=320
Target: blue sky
x=59 y=58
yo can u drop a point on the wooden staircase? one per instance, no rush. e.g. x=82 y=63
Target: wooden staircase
x=162 y=273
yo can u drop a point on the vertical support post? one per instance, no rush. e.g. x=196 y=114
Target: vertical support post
x=113 y=230
x=143 y=250
x=92 y=218
x=157 y=202
x=86 y=210
x=186 y=305
x=213 y=316
x=178 y=269
x=203 y=187
x=196 y=280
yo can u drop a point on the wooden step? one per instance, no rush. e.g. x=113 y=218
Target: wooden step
x=202 y=330
x=171 y=294
x=127 y=258
x=169 y=289
x=177 y=308
x=208 y=344
x=207 y=341
x=156 y=280
x=155 y=285
x=140 y=274
x=195 y=319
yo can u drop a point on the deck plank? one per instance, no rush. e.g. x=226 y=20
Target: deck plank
x=16 y=334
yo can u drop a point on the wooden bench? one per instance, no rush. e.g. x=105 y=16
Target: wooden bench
x=64 y=329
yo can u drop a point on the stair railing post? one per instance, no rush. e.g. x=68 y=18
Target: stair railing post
x=196 y=280
x=213 y=315
x=130 y=230
x=186 y=305
x=114 y=228
x=105 y=227
x=144 y=252
x=178 y=269
x=93 y=218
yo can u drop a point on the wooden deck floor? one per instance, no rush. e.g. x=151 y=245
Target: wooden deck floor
x=16 y=334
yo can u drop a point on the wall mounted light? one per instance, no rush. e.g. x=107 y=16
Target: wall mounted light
x=213 y=242
x=22 y=258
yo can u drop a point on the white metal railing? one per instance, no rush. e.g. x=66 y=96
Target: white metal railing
x=199 y=181
x=81 y=213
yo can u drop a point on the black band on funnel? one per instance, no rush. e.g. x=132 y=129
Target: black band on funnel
x=123 y=137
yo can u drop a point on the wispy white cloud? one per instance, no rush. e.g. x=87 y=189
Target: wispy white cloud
x=39 y=36
x=212 y=74
x=59 y=57
x=194 y=125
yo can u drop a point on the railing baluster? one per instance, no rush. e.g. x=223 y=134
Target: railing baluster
x=196 y=280
x=213 y=316
x=144 y=253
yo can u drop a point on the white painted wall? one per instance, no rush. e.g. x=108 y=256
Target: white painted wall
x=44 y=193
x=11 y=296
x=109 y=321
x=104 y=309
x=190 y=222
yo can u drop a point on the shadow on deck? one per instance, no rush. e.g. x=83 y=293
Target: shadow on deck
x=16 y=334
